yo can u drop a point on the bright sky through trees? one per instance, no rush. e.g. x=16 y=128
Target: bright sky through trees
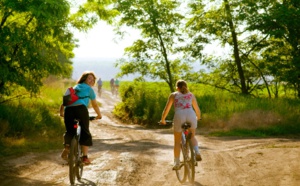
x=101 y=42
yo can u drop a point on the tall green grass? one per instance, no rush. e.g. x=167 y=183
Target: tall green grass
x=33 y=123
x=141 y=102
x=222 y=112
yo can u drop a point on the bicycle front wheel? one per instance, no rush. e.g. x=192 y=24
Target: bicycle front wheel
x=73 y=160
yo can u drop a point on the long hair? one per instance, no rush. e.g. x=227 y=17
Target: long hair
x=85 y=75
x=182 y=86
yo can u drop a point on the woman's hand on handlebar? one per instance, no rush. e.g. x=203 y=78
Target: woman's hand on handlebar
x=99 y=117
x=162 y=122
x=95 y=117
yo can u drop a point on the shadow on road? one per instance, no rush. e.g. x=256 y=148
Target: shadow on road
x=16 y=181
x=85 y=182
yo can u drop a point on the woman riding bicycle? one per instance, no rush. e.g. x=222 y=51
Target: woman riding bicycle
x=79 y=111
x=184 y=102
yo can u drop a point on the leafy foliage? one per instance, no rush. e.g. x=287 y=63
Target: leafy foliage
x=35 y=42
x=262 y=35
x=143 y=103
x=159 y=23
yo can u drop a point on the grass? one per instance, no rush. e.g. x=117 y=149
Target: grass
x=228 y=114
x=32 y=124
x=278 y=130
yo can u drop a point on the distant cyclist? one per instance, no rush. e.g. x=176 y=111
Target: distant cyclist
x=112 y=85
x=99 y=82
x=184 y=102
x=117 y=84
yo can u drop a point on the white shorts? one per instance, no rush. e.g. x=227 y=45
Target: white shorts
x=184 y=116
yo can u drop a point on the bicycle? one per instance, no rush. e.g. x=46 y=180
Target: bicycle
x=74 y=157
x=187 y=155
x=99 y=90
x=116 y=90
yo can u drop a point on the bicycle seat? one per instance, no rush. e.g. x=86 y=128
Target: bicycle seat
x=186 y=126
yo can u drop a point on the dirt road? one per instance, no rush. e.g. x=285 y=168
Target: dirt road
x=130 y=155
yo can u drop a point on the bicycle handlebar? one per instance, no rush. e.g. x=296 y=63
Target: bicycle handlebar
x=92 y=118
x=168 y=123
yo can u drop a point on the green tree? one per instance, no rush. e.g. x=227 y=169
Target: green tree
x=280 y=20
x=35 y=42
x=88 y=13
x=225 y=22
x=157 y=54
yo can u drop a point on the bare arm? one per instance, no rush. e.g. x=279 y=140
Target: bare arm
x=196 y=108
x=167 y=108
x=96 y=108
x=61 y=110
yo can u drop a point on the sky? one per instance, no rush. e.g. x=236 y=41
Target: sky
x=99 y=49
x=101 y=42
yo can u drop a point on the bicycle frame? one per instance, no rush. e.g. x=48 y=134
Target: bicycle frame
x=188 y=154
x=75 y=163
x=188 y=160
x=75 y=160
x=186 y=139
x=78 y=130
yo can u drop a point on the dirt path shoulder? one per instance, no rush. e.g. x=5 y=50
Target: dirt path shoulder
x=129 y=155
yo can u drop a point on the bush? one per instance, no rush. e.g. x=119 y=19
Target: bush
x=143 y=102
x=32 y=123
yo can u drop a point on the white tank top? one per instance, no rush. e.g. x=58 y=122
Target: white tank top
x=183 y=101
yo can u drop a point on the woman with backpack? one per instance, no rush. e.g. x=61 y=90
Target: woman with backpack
x=79 y=111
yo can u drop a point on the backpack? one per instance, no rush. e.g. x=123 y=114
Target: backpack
x=70 y=97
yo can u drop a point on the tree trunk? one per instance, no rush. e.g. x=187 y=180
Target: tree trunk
x=236 y=49
x=165 y=55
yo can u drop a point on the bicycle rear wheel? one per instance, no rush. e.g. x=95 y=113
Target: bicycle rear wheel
x=73 y=160
x=191 y=161
x=182 y=172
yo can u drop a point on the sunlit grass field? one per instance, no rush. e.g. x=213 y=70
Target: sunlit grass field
x=33 y=124
x=223 y=113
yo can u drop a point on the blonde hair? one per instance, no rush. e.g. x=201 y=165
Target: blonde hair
x=182 y=86
x=85 y=75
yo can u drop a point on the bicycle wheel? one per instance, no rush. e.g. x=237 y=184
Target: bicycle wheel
x=73 y=160
x=79 y=166
x=191 y=161
x=182 y=172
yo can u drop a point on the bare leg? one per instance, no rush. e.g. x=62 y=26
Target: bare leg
x=193 y=139
x=84 y=150
x=177 y=139
x=195 y=145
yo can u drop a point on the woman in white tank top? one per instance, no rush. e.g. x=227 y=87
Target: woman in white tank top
x=186 y=110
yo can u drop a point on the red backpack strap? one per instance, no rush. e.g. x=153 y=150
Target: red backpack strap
x=72 y=91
